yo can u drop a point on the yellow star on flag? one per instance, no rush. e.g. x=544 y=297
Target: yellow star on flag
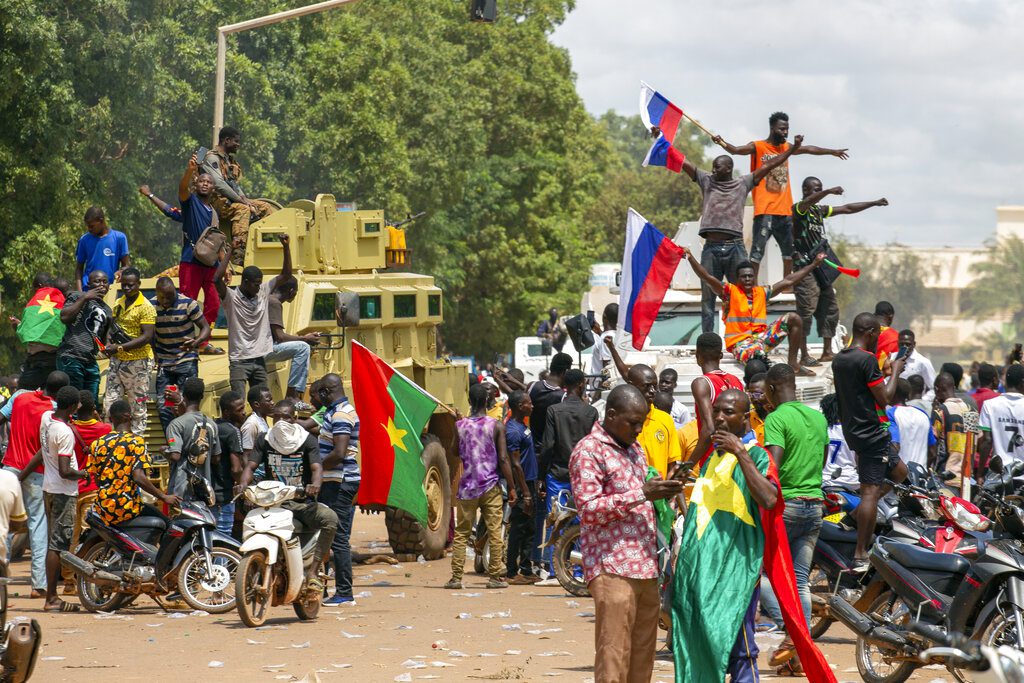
x=395 y=434
x=46 y=305
x=717 y=491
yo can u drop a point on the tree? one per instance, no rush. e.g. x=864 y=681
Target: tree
x=893 y=273
x=998 y=286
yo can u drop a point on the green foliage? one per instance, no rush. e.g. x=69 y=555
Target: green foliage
x=897 y=276
x=401 y=106
x=998 y=286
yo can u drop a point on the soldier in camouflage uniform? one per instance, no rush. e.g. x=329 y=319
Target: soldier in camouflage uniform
x=230 y=202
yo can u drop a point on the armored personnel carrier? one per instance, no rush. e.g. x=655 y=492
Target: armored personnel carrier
x=355 y=284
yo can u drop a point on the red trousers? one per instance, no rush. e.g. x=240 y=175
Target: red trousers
x=193 y=277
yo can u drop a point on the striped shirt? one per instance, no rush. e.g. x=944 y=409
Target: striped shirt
x=173 y=326
x=341 y=419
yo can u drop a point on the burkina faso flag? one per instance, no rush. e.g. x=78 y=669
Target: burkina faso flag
x=40 y=321
x=727 y=540
x=392 y=413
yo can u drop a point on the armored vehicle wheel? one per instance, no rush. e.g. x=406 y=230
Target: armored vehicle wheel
x=406 y=535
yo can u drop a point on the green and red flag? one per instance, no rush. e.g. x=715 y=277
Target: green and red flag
x=40 y=321
x=392 y=413
x=727 y=540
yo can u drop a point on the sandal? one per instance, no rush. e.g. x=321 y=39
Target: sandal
x=64 y=607
x=804 y=372
x=315 y=585
x=211 y=350
x=810 y=362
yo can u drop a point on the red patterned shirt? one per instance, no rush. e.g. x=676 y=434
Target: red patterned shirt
x=617 y=530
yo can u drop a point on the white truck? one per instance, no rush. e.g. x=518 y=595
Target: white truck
x=672 y=339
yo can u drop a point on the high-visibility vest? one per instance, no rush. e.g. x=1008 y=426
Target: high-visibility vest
x=741 y=316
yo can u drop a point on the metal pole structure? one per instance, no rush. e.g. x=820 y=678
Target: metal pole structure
x=223 y=31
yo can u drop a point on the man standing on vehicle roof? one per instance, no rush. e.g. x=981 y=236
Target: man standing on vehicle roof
x=196 y=216
x=231 y=203
x=745 y=313
x=817 y=297
x=721 y=220
x=772 y=195
x=863 y=396
x=131 y=358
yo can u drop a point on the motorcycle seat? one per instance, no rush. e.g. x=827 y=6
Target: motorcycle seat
x=834 y=533
x=149 y=518
x=913 y=557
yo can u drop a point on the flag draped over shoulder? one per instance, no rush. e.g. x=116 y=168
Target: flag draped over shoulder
x=648 y=262
x=726 y=542
x=392 y=413
x=40 y=322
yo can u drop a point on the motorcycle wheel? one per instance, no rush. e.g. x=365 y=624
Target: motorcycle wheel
x=308 y=606
x=214 y=594
x=566 y=568
x=250 y=598
x=1001 y=629
x=873 y=661
x=481 y=557
x=101 y=598
x=818 y=584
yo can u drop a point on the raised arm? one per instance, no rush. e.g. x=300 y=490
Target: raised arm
x=71 y=311
x=620 y=364
x=776 y=161
x=857 y=207
x=716 y=285
x=220 y=183
x=884 y=393
x=222 y=269
x=186 y=179
x=787 y=283
x=286 y=257
x=824 y=151
x=808 y=202
x=689 y=169
x=745 y=150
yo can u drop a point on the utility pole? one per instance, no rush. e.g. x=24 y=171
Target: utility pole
x=222 y=46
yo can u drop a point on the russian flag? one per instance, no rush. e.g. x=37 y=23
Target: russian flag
x=656 y=110
x=662 y=153
x=648 y=263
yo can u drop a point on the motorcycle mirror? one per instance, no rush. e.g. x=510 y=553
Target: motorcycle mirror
x=947 y=476
x=996 y=464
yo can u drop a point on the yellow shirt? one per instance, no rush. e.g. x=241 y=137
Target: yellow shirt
x=659 y=440
x=688 y=437
x=757 y=424
x=132 y=318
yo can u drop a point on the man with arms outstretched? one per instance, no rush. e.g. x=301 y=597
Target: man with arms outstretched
x=772 y=196
x=815 y=298
x=745 y=312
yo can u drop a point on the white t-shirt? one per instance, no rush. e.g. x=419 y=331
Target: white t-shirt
x=12 y=507
x=840 y=456
x=1003 y=417
x=917 y=364
x=601 y=355
x=913 y=433
x=253 y=426
x=680 y=413
x=56 y=439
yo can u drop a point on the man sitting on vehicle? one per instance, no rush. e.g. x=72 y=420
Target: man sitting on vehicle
x=118 y=465
x=745 y=313
x=291 y=455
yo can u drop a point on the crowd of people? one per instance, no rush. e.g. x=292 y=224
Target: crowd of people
x=68 y=449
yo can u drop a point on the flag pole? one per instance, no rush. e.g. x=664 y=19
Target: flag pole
x=698 y=124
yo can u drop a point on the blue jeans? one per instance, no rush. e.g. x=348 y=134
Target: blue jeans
x=340 y=497
x=38 y=537
x=779 y=227
x=174 y=375
x=742 y=666
x=803 y=524
x=225 y=516
x=84 y=374
x=720 y=260
x=298 y=353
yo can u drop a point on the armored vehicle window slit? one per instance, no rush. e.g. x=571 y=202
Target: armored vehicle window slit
x=405 y=305
x=323 y=307
x=369 y=307
x=434 y=305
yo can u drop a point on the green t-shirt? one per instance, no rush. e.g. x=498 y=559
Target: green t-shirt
x=802 y=433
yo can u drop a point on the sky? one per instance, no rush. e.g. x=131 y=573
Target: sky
x=927 y=96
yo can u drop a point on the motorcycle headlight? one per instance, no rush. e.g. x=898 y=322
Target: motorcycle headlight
x=964 y=514
x=268 y=493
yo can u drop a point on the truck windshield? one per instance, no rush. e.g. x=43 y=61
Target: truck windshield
x=675 y=328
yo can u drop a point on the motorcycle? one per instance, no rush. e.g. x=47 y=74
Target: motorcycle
x=994 y=665
x=566 y=558
x=153 y=555
x=276 y=552
x=19 y=646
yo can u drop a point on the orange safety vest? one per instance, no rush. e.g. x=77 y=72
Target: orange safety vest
x=741 y=316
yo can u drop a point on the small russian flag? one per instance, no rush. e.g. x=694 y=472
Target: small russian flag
x=662 y=153
x=648 y=263
x=656 y=110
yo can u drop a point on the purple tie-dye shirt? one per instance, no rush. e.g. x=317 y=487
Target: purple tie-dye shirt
x=479 y=456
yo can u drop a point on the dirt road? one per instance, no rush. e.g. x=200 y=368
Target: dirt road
x=522 y=633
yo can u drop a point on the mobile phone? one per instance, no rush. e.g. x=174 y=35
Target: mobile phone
x=590 y=318
x=201 y=154
x=903 y=352
x=683 y=470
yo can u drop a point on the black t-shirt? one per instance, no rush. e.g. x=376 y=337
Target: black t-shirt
x=855 y=371
x=92 y=322
x=808 y=231
x=294 y=469
x=230 y=442
x=543 y=396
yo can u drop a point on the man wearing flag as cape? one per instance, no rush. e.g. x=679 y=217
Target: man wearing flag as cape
x=734 y=528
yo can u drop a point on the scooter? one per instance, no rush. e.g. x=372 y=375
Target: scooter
x=566 y=558
x=152 y=555
x=276 y=552
x=19 y=645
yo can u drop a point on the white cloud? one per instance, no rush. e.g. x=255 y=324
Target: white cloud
x=928 y=96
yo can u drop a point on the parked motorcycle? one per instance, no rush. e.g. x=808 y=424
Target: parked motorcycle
x=276 y=552
x=988 y=664
x=566 y=558
x=19 y=647
x=154 y=555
